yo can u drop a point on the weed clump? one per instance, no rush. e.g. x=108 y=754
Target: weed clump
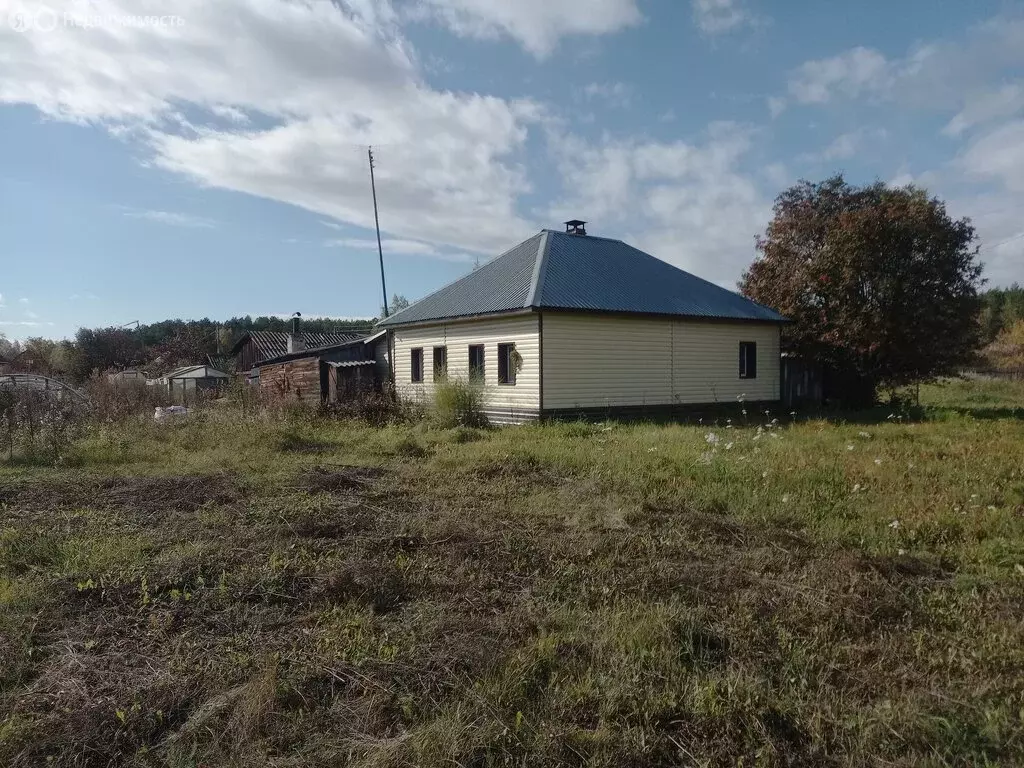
x=459 y=403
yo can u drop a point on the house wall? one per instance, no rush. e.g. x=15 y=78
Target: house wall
x=503 y=403
x=296 y=379
x=595 y=361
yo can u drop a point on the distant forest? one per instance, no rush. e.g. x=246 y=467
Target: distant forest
x=160 y=347
x=1001 y=309
x=154 y=347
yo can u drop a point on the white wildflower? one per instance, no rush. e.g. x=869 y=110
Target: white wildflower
x=856 y=487
x=894 y=524
x=764 y=474
x=849 y=447
x=991 y=508
x=785 y=498
x=864 y=434
x=651 y=450
x=712 y=438
x=901 y=551
x=728 y=446
x=878 y=462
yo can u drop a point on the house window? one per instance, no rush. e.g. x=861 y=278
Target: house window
x=476 y=362
x=417 y=365
x=440 y=363
x=507 y=363
x=748 y=360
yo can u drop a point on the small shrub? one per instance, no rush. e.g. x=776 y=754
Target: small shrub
x=38 y=426
x=458 y=403
x=117 y=402
x=375 y=408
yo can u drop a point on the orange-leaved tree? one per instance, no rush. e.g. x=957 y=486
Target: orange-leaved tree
x=880 y=283
x=1006 y=353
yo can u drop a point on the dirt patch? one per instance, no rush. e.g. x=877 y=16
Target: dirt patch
x=335 y=479
x=151 y=495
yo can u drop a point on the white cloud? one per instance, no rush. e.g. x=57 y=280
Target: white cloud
x=325 y=79
x=31 y=315
x=998 y=155
x=987 y=106
x=848 y=145
x=537 y=25
x=611 y=94
x=691 y=204
x=173 y=219
x=714 y=17
x=26 y=323
x=852 y=74
x=23 y=300
x=943 y=75
x=397 y=246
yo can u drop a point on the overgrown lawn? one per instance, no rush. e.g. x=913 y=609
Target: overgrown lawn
x=244 y=591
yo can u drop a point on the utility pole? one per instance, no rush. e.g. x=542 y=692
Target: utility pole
x=376 y=219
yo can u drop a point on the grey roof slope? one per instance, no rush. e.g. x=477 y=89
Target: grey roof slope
x=554 y=270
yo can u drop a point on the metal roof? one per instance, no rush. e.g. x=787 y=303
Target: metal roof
x=555 y=270
x=500 y=285
x=317 y=351
x=275 y=343
x=197 y=372
x=352 y=364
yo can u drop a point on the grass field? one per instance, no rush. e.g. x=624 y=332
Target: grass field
x=313 y=593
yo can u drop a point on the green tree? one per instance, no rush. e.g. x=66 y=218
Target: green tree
x=98 y=349
x=397 y=304
x=879 y=283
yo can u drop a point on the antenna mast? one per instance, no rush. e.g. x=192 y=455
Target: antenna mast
x=376 y=219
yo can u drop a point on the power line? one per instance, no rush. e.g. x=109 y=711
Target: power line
x=1004 y=242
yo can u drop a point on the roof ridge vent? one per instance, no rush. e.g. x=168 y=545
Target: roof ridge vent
x=576 y=227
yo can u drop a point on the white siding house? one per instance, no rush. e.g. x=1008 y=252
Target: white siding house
x=565 y=324
x=505 y=402
x=592 y=361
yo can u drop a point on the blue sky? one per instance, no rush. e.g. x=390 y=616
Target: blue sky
x=189 y=159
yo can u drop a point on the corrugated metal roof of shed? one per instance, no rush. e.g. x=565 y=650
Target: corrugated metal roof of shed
x=271 y=344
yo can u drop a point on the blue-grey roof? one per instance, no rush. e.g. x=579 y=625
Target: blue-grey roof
x=554 y=270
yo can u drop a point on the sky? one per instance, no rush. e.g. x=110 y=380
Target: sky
x=188 y=158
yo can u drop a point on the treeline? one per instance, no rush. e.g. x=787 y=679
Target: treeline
x=155 y=347
x=1001 y=309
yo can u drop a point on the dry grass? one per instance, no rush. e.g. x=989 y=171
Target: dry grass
x=327 y=593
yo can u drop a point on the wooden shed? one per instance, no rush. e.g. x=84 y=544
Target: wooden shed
x=257 y=347
x=325 y=374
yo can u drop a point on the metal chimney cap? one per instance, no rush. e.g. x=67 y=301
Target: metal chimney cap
x=575 y=227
